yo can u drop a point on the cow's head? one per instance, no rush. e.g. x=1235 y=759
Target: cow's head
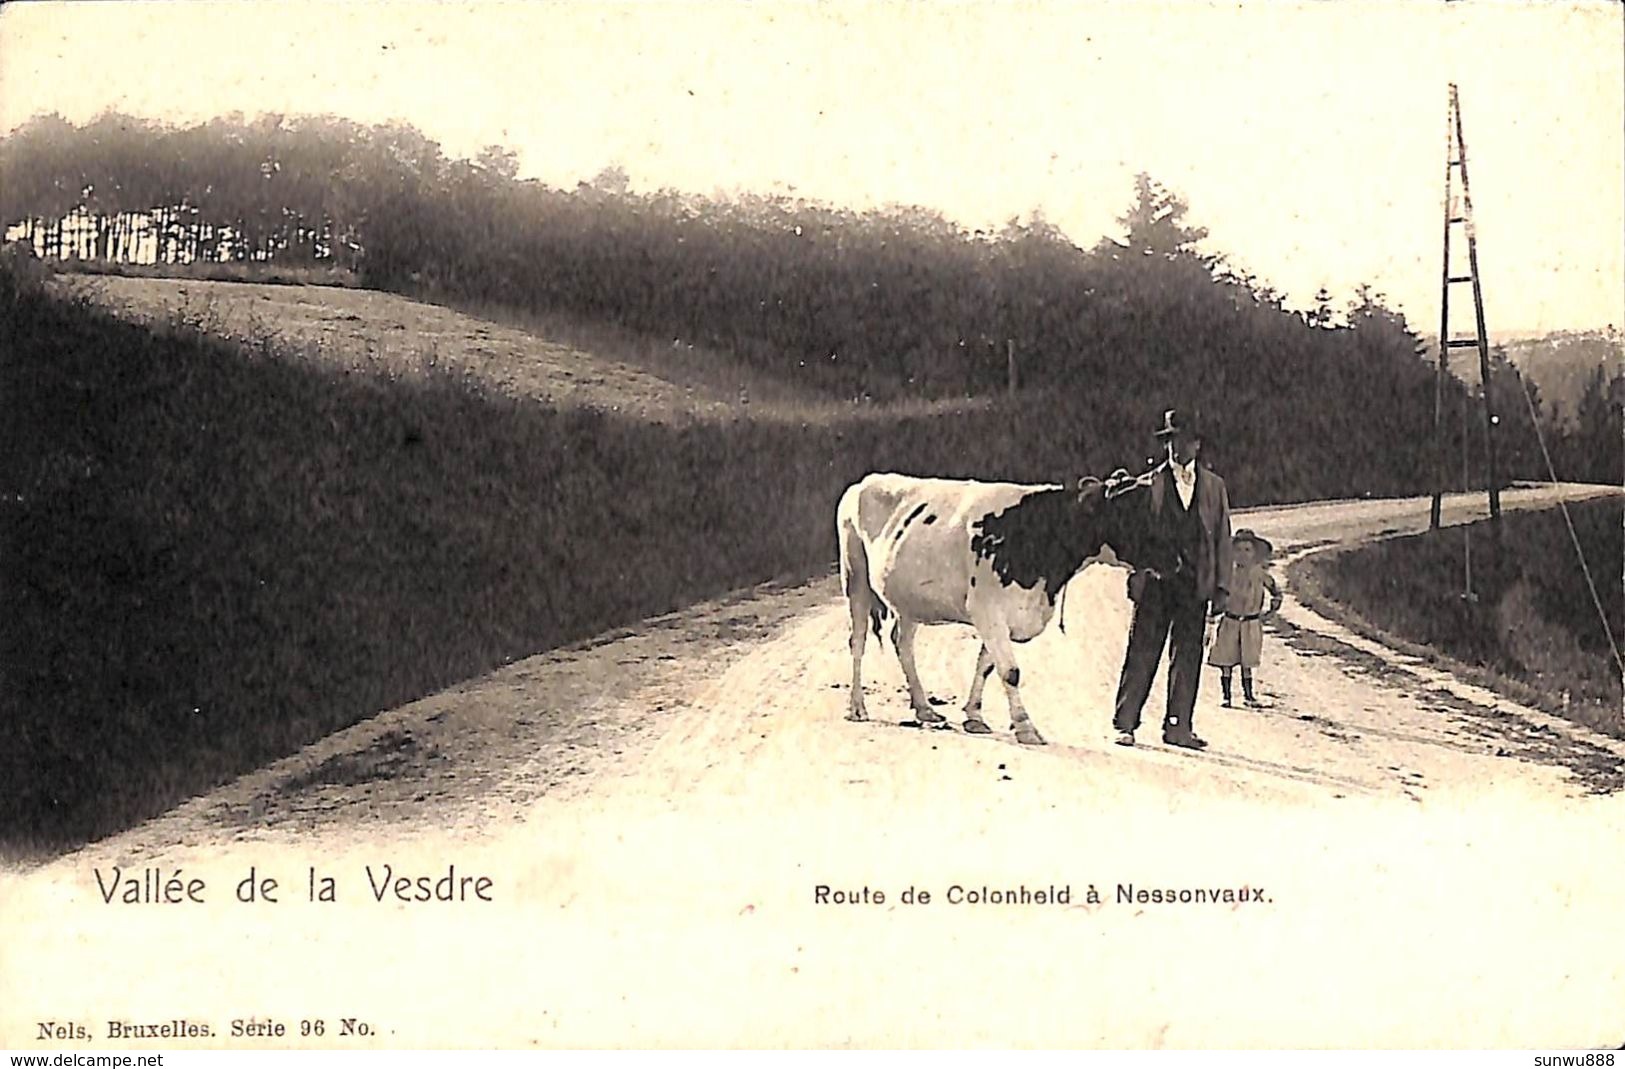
x=1118 y=520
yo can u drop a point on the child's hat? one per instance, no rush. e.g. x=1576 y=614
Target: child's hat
x=1261 y=544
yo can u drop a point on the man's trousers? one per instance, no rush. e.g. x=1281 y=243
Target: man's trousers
x=1171 y=614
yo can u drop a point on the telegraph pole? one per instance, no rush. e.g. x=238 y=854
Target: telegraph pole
x=1456 y=159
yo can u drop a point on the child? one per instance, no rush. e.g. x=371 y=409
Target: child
x=1240 y=636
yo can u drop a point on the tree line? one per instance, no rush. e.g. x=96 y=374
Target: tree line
x=878 y=304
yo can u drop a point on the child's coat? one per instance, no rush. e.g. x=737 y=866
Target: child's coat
x=1240 y=636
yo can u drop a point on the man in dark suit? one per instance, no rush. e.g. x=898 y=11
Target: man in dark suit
x=1190 y=505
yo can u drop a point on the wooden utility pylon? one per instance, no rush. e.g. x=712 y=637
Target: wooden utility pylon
x=1456 y=160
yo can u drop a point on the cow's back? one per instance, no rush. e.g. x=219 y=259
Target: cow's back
x=917 y=533
x=883 y=499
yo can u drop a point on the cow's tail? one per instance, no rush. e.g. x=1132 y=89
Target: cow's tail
x=877 y=613
x=855 y=580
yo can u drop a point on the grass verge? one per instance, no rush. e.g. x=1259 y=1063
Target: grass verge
x=1532 y=632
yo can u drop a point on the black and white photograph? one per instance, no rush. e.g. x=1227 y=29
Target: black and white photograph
x=862 y=524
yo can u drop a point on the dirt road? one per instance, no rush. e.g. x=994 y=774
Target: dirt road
x=1423 y=862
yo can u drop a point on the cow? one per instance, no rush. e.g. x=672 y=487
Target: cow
x=989 y=554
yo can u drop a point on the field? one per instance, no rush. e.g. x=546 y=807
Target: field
x=1531 y=629
x=555 y=360
x=375 y=497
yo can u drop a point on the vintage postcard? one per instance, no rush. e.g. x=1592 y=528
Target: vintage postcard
x=847 y=525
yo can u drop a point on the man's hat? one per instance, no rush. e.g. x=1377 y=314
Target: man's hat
x=1246 y=535
x=1176 y=422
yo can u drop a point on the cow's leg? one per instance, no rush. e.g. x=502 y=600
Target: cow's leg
x=996 y=633
x=860 y=599
x=860 y=633
x=917 y=699
x=973 y=704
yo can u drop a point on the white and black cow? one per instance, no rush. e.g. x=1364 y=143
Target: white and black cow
x=991 y=555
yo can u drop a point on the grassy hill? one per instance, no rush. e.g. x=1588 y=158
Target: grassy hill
x=1530 y=629
x=550 y=359
x=1561 y=362
x=242 y=517
x=1558 y=363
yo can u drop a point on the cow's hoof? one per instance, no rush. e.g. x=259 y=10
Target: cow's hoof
x=1029 y=736
x=929 y=716
x=977 y=727
x=858 y=715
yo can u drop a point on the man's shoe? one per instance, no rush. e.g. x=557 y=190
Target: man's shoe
x=1125 y=738
x=1187 y=740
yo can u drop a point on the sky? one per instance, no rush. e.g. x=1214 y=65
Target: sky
x=1308 y=138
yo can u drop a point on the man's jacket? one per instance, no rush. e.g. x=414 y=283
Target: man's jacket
x=1212 y=502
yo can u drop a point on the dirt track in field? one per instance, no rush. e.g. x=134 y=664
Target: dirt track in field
x=661 y=803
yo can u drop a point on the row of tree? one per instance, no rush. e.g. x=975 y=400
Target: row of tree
x=228 y=189
x=1591 y=447
x=883 y=303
